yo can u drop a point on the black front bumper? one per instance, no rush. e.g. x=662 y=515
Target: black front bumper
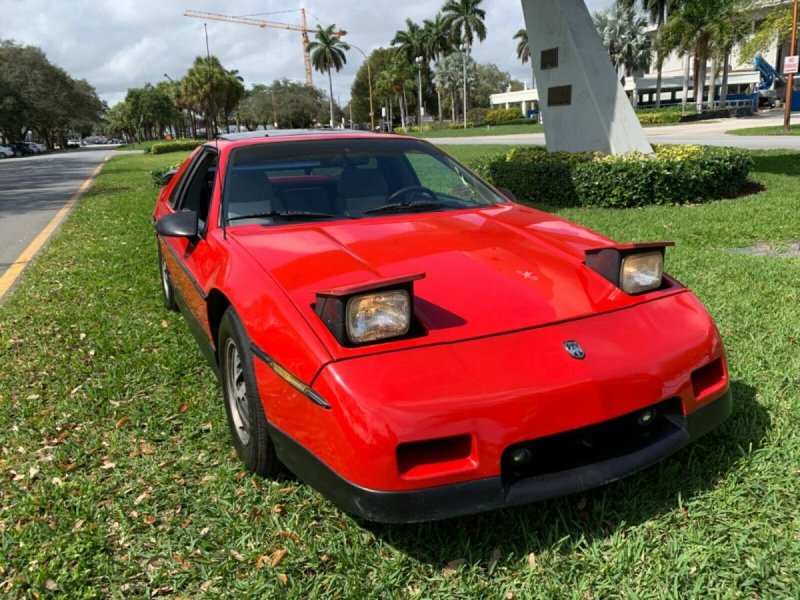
x=481 y=495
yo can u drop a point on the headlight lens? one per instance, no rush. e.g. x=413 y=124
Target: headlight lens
x=378 y=316
x=641 y=272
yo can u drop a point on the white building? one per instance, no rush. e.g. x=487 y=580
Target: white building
x=743 y=79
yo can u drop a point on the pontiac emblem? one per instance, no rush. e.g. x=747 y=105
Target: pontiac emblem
x=575 y=350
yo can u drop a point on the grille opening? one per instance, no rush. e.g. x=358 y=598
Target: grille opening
x=707 y=380
x=435 y=457
x=593 y=444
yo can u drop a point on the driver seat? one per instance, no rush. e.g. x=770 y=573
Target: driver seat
x=361 y=190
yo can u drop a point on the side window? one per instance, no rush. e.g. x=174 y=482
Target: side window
x=199 y=187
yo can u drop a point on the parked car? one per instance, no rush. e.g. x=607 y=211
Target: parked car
x=414 y=344
x=21 y=149
x=6 y=152
x=37 y=147
x=73 y=143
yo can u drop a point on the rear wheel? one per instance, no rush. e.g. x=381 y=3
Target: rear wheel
x=246 y=420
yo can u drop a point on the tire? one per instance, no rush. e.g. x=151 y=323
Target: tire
x=246 y=421
x=167 y=289
x=17 y=153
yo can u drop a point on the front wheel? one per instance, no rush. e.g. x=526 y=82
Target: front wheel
x=246 y=420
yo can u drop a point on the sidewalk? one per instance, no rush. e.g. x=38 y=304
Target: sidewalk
x=708 y=133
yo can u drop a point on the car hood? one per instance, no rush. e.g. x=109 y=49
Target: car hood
x=487 y=271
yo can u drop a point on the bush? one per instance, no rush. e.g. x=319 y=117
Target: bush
x=659 y=116
x=501 y=116
x=176 y=146
x=674 y=175
x=478 y=115
x=158 y=176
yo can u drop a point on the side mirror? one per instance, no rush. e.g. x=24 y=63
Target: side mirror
x=507 y=193
x=167 y=177
x=180 y=224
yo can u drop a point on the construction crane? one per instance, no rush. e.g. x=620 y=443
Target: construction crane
x=302 y=28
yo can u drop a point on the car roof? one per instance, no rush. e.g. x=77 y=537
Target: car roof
x=278 y=135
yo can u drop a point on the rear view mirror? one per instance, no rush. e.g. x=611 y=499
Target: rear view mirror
x=507 y=193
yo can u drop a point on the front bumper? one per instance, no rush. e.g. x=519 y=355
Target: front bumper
x=491 y=493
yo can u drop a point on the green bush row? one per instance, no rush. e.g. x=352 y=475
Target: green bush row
x=674 y=175
x=501 y=116
x=175 y=146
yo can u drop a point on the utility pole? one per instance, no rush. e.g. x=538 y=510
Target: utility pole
x=465 y=52
x=787 y=111
x=419 y=86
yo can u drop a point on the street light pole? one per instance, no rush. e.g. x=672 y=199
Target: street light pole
x=369 y=84
x=419 y=87
x=787 y=111
x=465 y=52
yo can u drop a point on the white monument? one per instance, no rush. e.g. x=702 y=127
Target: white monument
x=583 y=104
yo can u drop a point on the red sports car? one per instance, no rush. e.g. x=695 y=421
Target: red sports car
x=414 y=344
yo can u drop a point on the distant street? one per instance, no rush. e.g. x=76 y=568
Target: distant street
x=708 y=133
x=33 y=189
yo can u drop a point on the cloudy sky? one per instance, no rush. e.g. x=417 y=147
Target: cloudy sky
x=119 y=44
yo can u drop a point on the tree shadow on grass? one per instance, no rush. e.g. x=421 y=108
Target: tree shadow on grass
x=779 y=163
x=595 y=514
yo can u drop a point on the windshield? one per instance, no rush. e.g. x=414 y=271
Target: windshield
x=295 y=181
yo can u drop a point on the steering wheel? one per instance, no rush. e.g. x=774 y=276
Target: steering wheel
x=412 y=188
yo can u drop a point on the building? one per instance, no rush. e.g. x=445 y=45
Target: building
x=743 y=78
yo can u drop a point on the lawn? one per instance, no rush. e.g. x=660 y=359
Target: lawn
x=482 y=131
x=774 y=130
x=117 y=479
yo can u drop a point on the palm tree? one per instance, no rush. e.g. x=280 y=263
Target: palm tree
x=706 y=29
x=411 y=42
x=465 y=17
x=328 y=52
x=622 y=31
x=438 y=43
x=524 y=51
x=657 y=10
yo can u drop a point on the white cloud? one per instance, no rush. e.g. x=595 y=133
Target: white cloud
x=119 y=44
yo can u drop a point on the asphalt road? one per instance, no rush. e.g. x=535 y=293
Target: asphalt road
x=33 y=189
x=707 y=133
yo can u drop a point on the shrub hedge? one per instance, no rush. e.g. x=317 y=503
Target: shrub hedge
x=501 y=116
x=674 y=175
x=175 y=146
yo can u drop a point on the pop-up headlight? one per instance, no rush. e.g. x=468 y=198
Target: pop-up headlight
x=371 y=312
x=634 y=268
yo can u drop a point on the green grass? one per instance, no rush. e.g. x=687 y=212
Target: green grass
x=774 y=130
x=117 y=479
x=482 y=131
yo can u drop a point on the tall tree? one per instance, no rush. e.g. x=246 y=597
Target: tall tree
x=657 y=10
x=466 y=19
x=205 y=87
x=702 y=28
x=438 y=42
x=328 y=53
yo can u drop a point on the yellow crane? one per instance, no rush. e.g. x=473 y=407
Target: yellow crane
x=302 y=28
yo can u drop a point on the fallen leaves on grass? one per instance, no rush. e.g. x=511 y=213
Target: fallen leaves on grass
x=453 y=566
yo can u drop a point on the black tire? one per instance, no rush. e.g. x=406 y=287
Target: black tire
x=246 y=420
x=167 y=289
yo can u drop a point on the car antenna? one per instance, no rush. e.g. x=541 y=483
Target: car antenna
x=216 y=138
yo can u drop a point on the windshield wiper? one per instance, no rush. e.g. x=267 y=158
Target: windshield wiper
x=407 y=207
x=286 y=214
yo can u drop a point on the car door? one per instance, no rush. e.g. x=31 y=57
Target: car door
x=191 y=262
